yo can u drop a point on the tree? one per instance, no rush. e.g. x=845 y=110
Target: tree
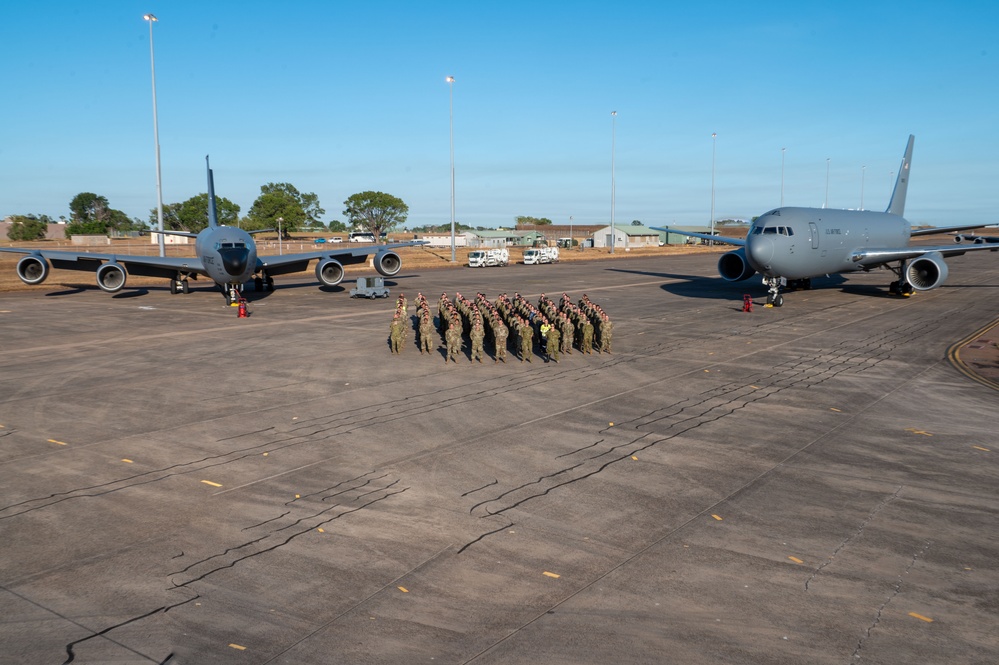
x=27 y=227
x=636 y=222
x=88 y=207
x=336 y=226
x=91 y=214
x=523 y=220
x=296 y=210
x=192 y=214
x=377 y=212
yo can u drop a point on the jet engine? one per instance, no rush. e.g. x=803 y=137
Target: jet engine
x=329 y=272
x=111 y=277
x=32 y=269
x=734 y=267
x=387 y=263
x=926 y=272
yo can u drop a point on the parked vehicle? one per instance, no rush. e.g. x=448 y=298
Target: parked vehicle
x=336 y=239
x=538 y=255
x=320 y=241
x=361 y=236
x=370 y=287
x=490 y=257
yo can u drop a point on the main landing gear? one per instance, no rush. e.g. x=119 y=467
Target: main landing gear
x=179 y=285
x=900 y=287
x=262 y=283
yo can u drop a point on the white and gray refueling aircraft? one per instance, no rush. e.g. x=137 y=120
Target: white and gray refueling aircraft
x=225 y=254
x=790 y=246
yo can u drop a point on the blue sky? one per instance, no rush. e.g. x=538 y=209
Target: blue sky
x=341 y=97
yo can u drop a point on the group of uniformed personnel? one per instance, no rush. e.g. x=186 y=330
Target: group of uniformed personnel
x=400 y=325
x=558 y=326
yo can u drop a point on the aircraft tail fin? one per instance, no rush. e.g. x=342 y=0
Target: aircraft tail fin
x=213 y=213
x=897 y=204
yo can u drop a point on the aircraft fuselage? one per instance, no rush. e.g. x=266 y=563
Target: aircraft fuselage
x=228 y=254
x=799 y=243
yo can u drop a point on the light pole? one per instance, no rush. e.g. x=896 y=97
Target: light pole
x=714 y=136
x=613 y=184
x=450 y=86
x=863 y=174
x=280 y=240
x=156 y=138
x=570 y=232
x=826 y=204
x=782 y=177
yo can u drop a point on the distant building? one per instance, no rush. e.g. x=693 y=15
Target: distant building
x=627 y=236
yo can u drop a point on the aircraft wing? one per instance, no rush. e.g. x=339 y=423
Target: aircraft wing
x=741 y=242
x=288 y=263
x=875 y=257
x=943 y=229
x=147 y=266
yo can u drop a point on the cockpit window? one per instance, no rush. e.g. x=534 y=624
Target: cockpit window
x=774 y=230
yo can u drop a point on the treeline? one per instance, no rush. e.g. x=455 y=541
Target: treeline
x=280 y=205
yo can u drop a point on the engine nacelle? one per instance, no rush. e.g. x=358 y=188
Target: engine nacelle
x=926 y=272
x=387 y=263
x=32 y=269
x=959 y=238
x=734 y=267
x=111 y=277
x=329 y=272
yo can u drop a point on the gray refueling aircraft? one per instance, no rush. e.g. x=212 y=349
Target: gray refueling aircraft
x=225 y=254
x=790 y=246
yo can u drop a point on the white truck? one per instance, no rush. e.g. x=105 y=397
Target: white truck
x=490 y=257
x=537 y=255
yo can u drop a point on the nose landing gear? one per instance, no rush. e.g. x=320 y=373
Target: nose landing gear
x=774 y=296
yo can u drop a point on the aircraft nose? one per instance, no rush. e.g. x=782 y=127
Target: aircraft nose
x=234 y=260
x=760 y=250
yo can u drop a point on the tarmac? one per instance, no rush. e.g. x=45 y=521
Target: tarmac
x=815 y=483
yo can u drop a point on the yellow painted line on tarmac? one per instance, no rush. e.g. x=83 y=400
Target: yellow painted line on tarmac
x=634 y=458
x=403 y=589
x=833 y=408
x=917 y=431
x=208 y=482
x=985 y=450
x=61 y=443
x=795 y=559
x=954 y=356
x=238 y=647
x=547 y=574
x=127 y=461
x=920 y=617
x=717 y=517
x=321 y=530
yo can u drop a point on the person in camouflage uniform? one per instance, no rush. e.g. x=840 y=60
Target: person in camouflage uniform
x=606 y=327
x=453 y=338
x=396 y=334
x=567 y=330
x=526 y=334
x=477 y=335
x=552 y=344
x=586 y=345
x=500 y=334
x=426 y=330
